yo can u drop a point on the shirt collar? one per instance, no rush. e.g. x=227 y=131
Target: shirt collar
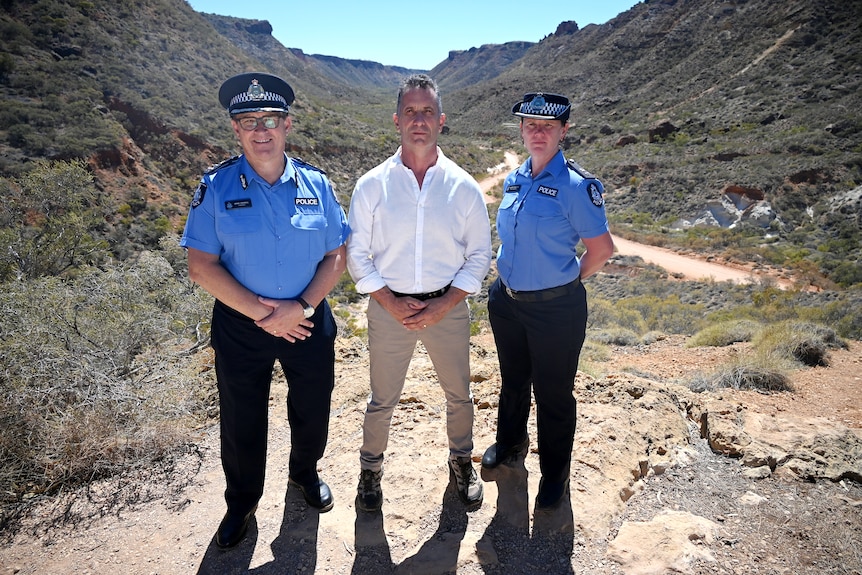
x=288 y=174
x=440 y=157
x=554 y=167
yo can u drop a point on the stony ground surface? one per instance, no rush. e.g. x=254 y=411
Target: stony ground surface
x=775 y=525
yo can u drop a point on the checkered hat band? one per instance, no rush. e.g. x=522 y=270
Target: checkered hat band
x=549 y=109
x=244 y=97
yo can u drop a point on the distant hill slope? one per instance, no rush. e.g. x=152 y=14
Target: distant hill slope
x=742 y=112
x=369 y=75
x=465 y=68
x=324 y=75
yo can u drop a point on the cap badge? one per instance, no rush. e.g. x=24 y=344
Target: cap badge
x=256 y=91
x=536 y=104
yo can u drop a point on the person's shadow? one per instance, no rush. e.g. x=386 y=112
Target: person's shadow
x=295 y=548
x=439 y=554
x=548 y=551
x=237 y=560
x=372 y=547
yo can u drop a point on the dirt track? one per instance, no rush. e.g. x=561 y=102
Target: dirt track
x=687 y=267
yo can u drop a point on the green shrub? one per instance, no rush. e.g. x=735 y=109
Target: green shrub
x=606 y=314
x=725 y=333
x=668 y=315
x=99 y=376
x=800 y=342
x=615 y=336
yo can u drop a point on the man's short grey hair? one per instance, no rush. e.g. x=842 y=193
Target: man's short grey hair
x=423 y=82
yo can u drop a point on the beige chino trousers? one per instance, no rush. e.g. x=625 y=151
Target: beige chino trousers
x=391 y=347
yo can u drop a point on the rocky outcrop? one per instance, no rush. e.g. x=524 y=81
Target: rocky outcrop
x=811 y=448
x=736 y=205
x=662 y=131
x=666 y=544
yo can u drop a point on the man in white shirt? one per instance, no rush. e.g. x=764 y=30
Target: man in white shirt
x=420 y=243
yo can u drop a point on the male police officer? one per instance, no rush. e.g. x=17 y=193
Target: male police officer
x=266 y=237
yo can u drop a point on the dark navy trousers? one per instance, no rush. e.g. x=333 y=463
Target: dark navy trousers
x=539 y=344
x=244 y=357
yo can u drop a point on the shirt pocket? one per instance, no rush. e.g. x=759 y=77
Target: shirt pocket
x=232 y=225
x=506 y=218
x=310 y=234
x=240 y=237
x=542 y=207
x=507 y=201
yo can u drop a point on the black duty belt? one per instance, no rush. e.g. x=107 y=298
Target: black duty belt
x=542 y=294
x=423 y=296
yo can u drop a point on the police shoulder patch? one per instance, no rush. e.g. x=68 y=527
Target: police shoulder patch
x=305 y=164
x=595 y=193
x=200 y=192
x=220 y=165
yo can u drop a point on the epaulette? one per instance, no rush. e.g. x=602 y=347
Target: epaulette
x=573 y=165
x=220 y=165
x=305 y=164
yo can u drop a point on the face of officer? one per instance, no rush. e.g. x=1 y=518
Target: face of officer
x=419 y=120
x=542 y=137
x=262 y=135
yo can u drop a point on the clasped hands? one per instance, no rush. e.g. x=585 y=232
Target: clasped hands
x=417 y=315
x=285 y=319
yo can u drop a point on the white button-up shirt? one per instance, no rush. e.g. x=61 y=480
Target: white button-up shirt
x=416 y=240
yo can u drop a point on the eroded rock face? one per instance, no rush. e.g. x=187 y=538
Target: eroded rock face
x=628 y=428
x=631 y=429
x=812 y=448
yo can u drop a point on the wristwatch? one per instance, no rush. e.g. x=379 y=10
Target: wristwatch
x=307 y=308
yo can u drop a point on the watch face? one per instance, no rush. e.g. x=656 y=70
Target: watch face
x=308 y=312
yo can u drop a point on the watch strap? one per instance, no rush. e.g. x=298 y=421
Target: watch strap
x=305 y=305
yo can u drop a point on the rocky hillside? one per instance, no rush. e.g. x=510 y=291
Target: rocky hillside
x=684 y=105
x=465 y=68
x=741 y=114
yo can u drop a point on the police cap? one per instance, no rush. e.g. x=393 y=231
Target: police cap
x=255 y=92
x=543 y=107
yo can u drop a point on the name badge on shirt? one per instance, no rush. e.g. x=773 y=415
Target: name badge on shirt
x=548 y=191
x=236 y=204
x=307 y=202
x=513 y=189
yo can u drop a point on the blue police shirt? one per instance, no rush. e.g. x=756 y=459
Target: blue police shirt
x=269 y=237
x=541 y=220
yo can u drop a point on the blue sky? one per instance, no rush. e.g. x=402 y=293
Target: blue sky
x=398 y=33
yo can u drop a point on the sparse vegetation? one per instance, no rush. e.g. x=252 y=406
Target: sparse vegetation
x=776 y=350
x=98 y=376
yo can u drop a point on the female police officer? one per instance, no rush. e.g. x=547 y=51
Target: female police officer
x=538 y=306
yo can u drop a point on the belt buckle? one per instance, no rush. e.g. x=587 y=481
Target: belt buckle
x=509 y=292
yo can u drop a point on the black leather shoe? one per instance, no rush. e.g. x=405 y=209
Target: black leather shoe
x=317 y=494
x=232 y=529
x=550 y=493
x=495 y=456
